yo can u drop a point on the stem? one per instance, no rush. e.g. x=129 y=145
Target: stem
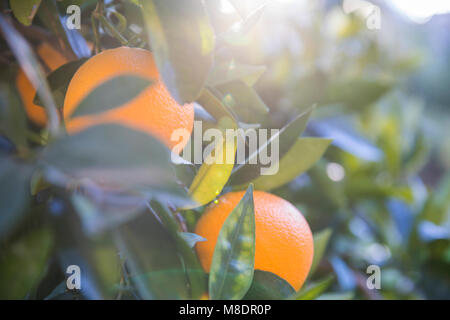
x=98 y=11
x=115 y=33
x=52 y=114
x=121 y=283
x=96 y=35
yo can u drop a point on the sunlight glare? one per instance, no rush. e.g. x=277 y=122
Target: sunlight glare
x=421 y=11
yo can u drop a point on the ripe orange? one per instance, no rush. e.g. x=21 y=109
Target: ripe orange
x=283 y=244
x=153 y=111
x=52 y=59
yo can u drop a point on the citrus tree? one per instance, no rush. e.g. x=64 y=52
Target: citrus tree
x=91 y=93
x=87 y=177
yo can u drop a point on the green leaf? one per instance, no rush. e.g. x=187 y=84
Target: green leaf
x=58 y=291
x=238 y=32
x=357 y=93
x=437 y=205
x=185 y=173
x=217 y=109
x=191 y=238
x=314 y=290
x=418 y=156
x=214 y=172
x=303 y=154
x=243 y=100
x=97 y=257
x=233 y=261
x=154 y=265
x=268 y=286
x=113 y=154
x=182 y=41
x=241 y=8
x=14 y=193
x=22 y=264
x=30 y=65
x=363 y=187
x=24 y=10
x=286 y=137
x=13 y=119
x=58 y=81
x=230 y=71
x=105 y=258
x=111 y=94
x=194 y=273
x=113 y=210
x=218 y=165
x=220 y=21
x=320 y=244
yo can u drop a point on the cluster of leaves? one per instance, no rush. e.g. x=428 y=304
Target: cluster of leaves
x=135 y=240
x=130 y=234
x=389 y=204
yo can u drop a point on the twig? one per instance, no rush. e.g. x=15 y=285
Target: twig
x=115 y=33
x=98 y=11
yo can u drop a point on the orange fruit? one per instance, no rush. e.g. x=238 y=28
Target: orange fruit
x=283 y=239
x=52 y=59
x=153 y=111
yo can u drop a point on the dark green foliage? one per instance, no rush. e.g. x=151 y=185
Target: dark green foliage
x=110 y=200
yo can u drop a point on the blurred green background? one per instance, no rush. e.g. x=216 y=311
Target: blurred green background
x=383 y=96
x=379 y=196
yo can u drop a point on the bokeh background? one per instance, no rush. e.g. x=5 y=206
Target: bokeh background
x=379 y=196
x=383 y=96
